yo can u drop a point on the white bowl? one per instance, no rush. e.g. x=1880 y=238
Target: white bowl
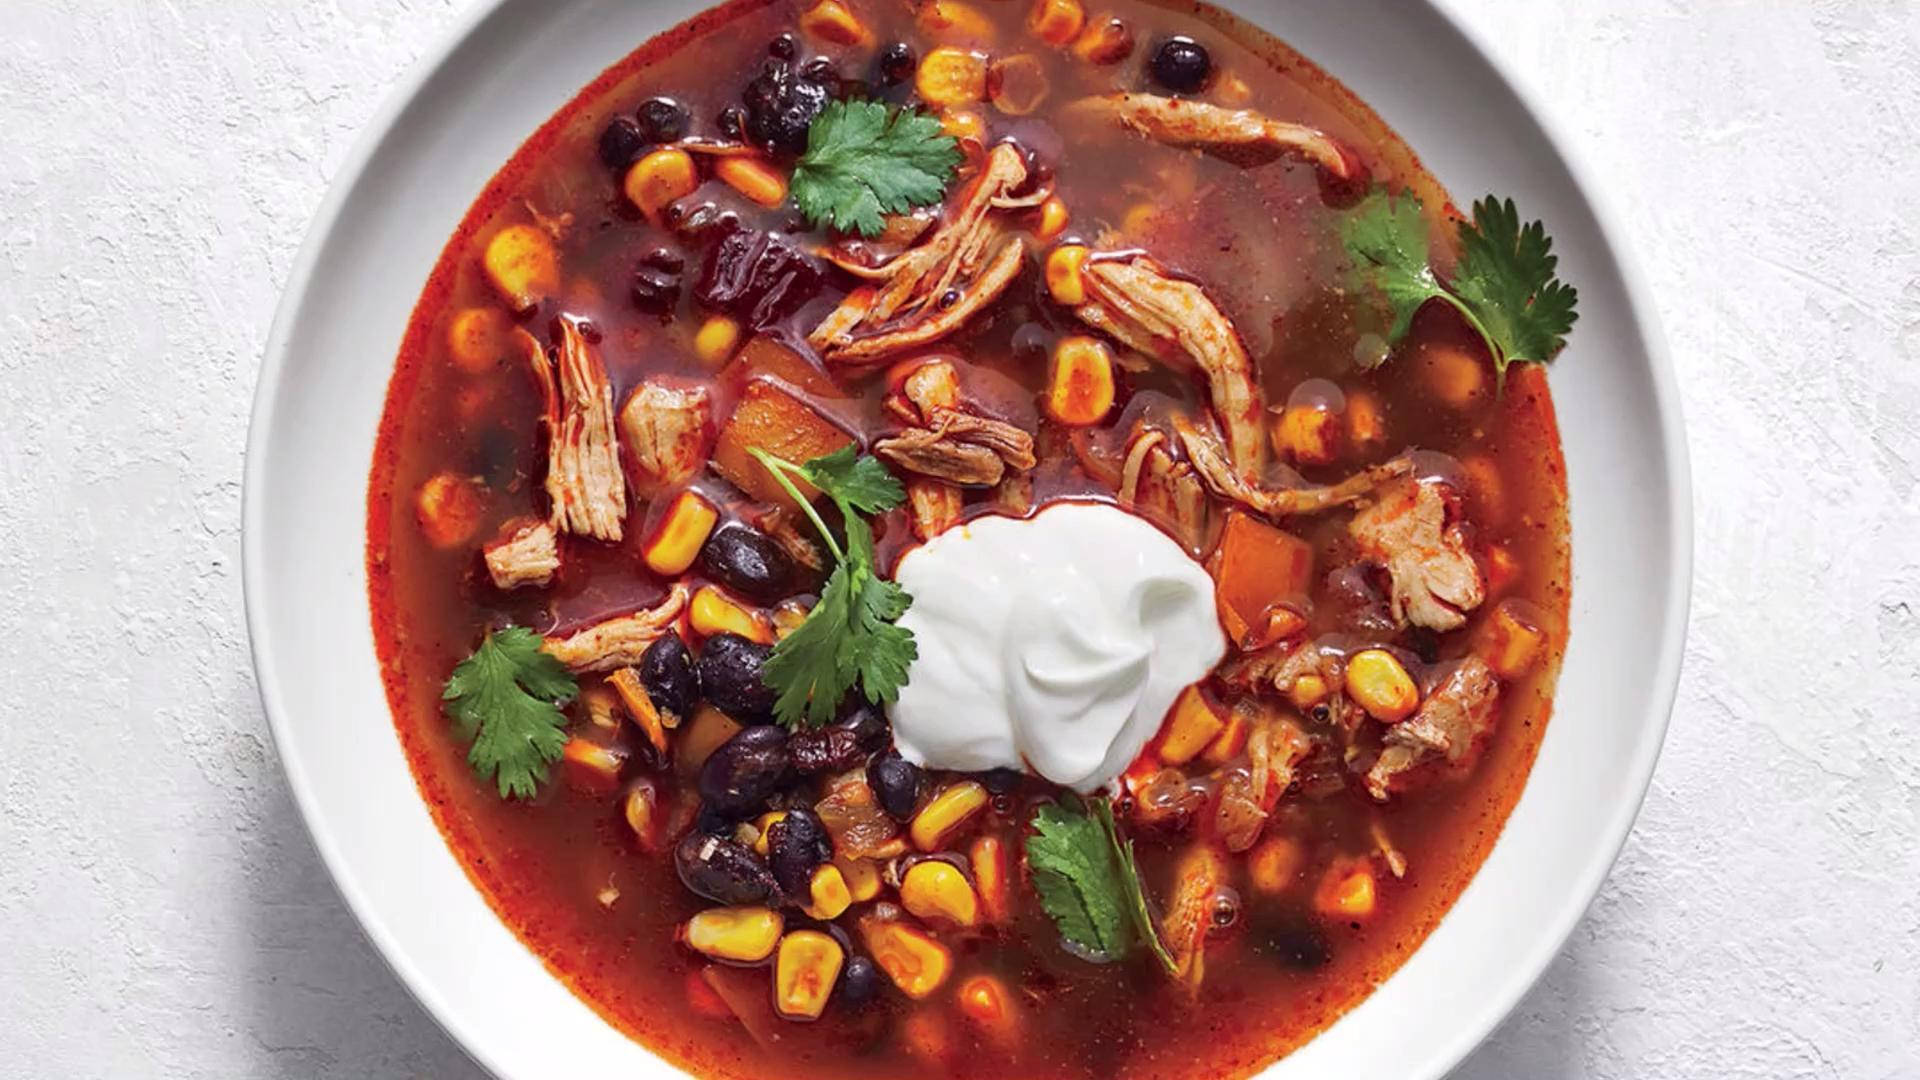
x=511 y=65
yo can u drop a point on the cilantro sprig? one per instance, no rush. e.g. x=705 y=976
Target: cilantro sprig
x=865 y=160
x=506 y=699
x=849 y=639
x=1089 y=883
x=1504 y=285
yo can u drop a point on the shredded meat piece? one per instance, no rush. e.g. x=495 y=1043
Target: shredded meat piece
x=1197 y=880
x=1277 y=668
x=1204 y=450
x=860 y=829
x=1241 y=136
x=1448 y=724
x=620 y=641
x=960 y=448
x=527 y=552
x=1014 y=494
x=794 y=539
x=1413 y=530
x=930 y=290
x=1395 y=859
x=1135 y=300
x=587 y=490
x=935 y=505
x=1165 y=491
x=1275 y=746
x=666 y=430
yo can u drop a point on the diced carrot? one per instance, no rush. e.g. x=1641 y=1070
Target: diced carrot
x=1106 y=40
x=771 y=419
x=1017 y=84
x=950 y=76
x=1080 y=387
x=1257 y=568
x=1057 y=22
x=658 y=179
x=1191 y=725
x=833 y=21
x=753 y=177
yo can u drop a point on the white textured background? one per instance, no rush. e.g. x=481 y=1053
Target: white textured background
x=162 y=913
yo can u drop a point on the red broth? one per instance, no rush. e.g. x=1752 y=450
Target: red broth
x=563 y=869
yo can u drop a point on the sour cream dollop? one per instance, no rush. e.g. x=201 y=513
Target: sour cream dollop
x=1054 y=644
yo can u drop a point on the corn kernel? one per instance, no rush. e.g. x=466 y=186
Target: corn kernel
x=1065 y=280
x=716 y=339
x=829 y=893
x=633 y=694
x=659 y=179
x=862 y=877
x=682 y=532
x=713 y=612
x=986 y=1002
x=916 y=963
x=1366 y=423
x=946 y=813
x=1307 y=434
x=938 y=892
x=1347 y=892
x=1511 y=644
x=964 y=124
x=1307 y=691
x=641 y=808
x=990 y=873
x=1227 y=745
x=745 y=935
x=1193 y=725
x=1106 y=40
x=949 y=76
x=521 y=263
x=478 y=338
x=1275 y=864
x=1080 y=386
x=761 y=825
x=448 y=509
x=804 y=973
x=1454 y=374
x=1053 y=219
x=592 y=765
x=832 y=21
x=1139 y=218
x=956 y=23
x=754 y=178
x=787 y=617
x=1379 y=683
x=1233 y=91
x=1057 y=22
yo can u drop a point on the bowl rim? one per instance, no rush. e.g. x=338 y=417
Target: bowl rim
x=1497 y=1005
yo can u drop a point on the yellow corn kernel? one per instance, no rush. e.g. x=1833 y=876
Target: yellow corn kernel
x=804 y=974
x=1193 y=725
x=1307 y=691
x=1053 y=219
x=1065 y=282
x=1511 y=643
x=660 y=178
x=1379 y=683
x=862 y=877
x=522 y=265
x=1080 y=385
x=592 y=764
x=682 y=532
x=633 y=694
x=1057 y=22
x=1347 y=892
x=1139 y=218
x=1274 y=865
x=641 y=807
x=1454 y=374
x=745 y=935
x=1307 y=434
x=1106 y=40
x=986 y=1002
x=713 y=612
x=916 y=963
x=944 y=815
x=761 y=825
x=830 y=20
x=949 y=76
x=714 y=342
x=938 y=892
x=990 y=873
x=754 y=178
x=448 y=509
x=956 y=23
x=829 y=893
x=787 y=617
x=706 y=730
x=1227 y=745
x=478 y=338
x=964 y=124
x=1366 y=423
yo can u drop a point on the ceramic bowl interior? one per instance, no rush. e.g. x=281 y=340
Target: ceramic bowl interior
x=510 y=66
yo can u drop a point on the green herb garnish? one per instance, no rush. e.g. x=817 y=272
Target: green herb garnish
x=849 y=638
x=1088 y=882
x=506 y=699
x=865 y=160
x=1504 y=285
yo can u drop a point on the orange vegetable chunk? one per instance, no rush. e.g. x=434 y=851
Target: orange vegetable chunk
x=773 y=420
x=1257 y=568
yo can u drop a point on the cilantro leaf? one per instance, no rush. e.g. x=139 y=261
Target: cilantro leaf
x=865 y=160
x=505 y=698
x=1079 y=886
x=1387 y=241
x=1136 y=892
x=849 y=639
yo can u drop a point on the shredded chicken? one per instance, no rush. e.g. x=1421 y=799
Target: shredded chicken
x=1204 y=450
x=1395 y=859
x=1414 y=532
x=620 y=641
x=1014 y=494
x=1135 y=300
x=1275 y=746
x=1165 y=491
x=1277 y=668
x=1241 y=136
x=666 y=430
x=1448 y=724
x=946 y=442
x=935 y=506
x=784 y=528
x=527 y=552
x=1196 y=889
x=930 y=290
x=584 y=482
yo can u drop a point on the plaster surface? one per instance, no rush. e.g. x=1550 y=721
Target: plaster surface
x=162 y=912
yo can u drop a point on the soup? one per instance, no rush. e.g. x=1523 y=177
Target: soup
x=972 y=539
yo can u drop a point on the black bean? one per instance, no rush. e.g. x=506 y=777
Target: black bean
x=1181 y=64
x=759 y=277
x=662 y=120
x=827 y=749
x=666 y=670
x=722 y=869
x=859 y=981
x=897 y=63
x=620 y=143
x=746 y=770
x=1300 y=946
x=896 y=784
x=796 y=846
x=782 y=103
x=749 y=562
x=784 y=47
x=733 y=123
x=1001 y=781
x=730 y=676
x=866 y=720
